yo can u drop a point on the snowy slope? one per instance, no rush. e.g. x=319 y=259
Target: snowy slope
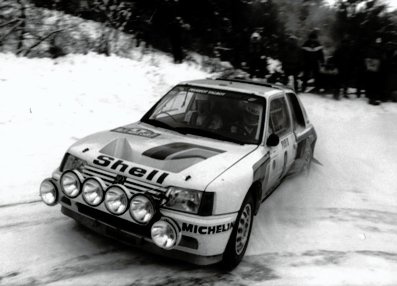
x=336 y=226
x=46 y=105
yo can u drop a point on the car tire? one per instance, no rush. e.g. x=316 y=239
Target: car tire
x=239 y=238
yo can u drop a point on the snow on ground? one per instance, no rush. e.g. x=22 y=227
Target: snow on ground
x=47 y=105
x=335 y=226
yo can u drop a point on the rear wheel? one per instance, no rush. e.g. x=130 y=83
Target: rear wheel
x=240 y=235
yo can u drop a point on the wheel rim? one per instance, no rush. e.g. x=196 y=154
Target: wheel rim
x=243 y=228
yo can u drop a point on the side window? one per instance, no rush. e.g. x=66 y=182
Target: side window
x=297 y=111
x=280 y=122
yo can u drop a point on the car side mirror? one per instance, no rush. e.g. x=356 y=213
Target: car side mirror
x=273 y=140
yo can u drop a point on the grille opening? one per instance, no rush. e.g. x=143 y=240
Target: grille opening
x=115 y=221
x=134 y=186
x=189 y=242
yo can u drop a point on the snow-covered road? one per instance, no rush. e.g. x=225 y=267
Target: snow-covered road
x=336 y=226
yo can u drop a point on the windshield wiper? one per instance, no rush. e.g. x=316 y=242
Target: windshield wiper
x=207 y=133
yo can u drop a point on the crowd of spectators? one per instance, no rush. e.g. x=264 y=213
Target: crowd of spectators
x=349 y=70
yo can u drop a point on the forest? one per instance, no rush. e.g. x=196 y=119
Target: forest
x=210 y=27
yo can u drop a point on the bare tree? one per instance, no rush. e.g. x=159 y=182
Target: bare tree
x=19 y=27
x=115 y=15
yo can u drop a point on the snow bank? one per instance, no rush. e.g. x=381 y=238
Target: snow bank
x=46 y=105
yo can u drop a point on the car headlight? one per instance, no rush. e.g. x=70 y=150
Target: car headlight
x=92 y=191
x=71 y=162
x=183 y=199
x=166 y=233
x=142 y=209
x=71 y=182
x=116 y=200
x=48 y=192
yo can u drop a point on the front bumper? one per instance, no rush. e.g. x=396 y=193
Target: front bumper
x=137 y=240
x=203 y=239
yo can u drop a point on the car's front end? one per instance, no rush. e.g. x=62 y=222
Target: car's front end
x=170 y=209
x=166 y=183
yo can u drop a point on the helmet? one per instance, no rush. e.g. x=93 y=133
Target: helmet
x=202 y=103
x=251 y=113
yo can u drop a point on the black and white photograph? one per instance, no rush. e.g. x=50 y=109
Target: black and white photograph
x=198 y=142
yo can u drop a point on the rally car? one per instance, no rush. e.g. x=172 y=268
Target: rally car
x=187 y=179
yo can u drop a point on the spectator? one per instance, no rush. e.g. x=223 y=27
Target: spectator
x=290 y=57
x=175 y=34
x=390 y=71
x=358 y=55
x=373 y=76
x=255 y=55
x=343 y=62
x=313 y=57
x=328 y=77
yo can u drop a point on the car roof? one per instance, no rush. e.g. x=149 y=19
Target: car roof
x=256 y=87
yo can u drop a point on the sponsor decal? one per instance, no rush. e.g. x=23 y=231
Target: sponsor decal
x=207 y=230
x=285 y=143
x=127 y=168
x=207 y=91
x=137 y=131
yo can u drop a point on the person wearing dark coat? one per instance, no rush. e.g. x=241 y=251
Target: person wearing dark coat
x=313 y=57
x=257 y=61
x=291 y=61
x=344 y=64
x=373 y=73
x=390 y=72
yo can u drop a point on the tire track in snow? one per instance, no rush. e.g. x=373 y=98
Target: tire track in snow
x=20 y=203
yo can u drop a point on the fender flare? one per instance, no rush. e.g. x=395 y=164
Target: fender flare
x=256 y=191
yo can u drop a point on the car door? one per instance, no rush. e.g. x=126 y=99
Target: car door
x=303 y=134
x=282 y=155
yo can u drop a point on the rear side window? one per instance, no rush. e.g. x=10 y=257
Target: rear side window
x=280 y=122
x=296 y=109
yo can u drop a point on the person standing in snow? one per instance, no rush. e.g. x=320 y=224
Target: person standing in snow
x=313 y=57
x=390 y=73
x=175 y=34
x=290 y=57
x=373 y=76
x=256 y=58
x=344 y=64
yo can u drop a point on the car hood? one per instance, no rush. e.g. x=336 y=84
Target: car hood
x=183 y=160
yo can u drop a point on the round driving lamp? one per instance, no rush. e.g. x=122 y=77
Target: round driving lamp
x=166 y=233
x=141 y=209
x=71 y=182
x=49 y=192
x=92 y=191
x=116 y=200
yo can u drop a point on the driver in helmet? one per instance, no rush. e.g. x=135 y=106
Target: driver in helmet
x=248 y=125
x=205 y=115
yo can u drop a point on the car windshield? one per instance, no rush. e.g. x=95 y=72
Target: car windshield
x=219 y=114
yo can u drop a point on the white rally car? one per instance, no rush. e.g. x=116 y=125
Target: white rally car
x=187 y=179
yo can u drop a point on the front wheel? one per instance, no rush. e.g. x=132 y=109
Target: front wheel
x=238 y=241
